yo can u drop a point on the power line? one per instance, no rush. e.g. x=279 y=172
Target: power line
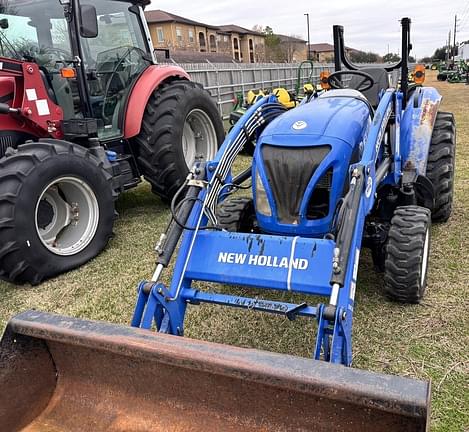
x=465 y=11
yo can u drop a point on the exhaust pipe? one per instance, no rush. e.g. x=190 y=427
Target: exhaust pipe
x=66 y=374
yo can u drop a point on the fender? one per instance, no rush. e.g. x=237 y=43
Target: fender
x=417 y=128
x=152 y=78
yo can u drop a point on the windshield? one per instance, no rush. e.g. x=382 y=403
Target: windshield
x=34 y=31
x=118 y=28
x=113 y=61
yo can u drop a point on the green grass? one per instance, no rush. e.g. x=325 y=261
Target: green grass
x=428 y=341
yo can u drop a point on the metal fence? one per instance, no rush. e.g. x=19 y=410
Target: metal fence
x=225 y=80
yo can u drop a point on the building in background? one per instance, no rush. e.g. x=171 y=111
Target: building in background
x=463 y=51
x=186 y=38
x=324 y=52
x=247 y=46
x=293 y=48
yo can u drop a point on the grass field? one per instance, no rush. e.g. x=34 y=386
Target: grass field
x=428 y=341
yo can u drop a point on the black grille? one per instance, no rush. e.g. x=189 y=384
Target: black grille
x=5 y=142
x=289 y=171
x=318 y=206
x=11 y=139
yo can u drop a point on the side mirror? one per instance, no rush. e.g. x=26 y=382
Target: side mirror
x=88 y=21
x=4 y=23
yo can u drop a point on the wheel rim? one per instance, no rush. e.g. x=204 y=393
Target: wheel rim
x=426 y=248
x=67 y=216
x=198 y=137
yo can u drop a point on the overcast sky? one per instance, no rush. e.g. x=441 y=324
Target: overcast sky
x=369 y=25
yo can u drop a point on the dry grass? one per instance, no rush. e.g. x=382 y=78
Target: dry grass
x=428 y=341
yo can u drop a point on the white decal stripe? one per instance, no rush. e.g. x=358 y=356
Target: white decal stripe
x=290 y=263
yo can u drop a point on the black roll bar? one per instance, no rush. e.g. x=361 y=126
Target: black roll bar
x=340 y=55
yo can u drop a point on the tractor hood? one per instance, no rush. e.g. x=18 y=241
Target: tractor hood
x=337 y=114
x=302 y=162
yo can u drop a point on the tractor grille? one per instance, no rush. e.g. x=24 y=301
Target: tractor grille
x=289 y=171
x=318 y=206
x=5 y=142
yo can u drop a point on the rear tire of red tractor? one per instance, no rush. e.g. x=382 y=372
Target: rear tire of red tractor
x=181 y=121
x=56 y=210
x=441 y=165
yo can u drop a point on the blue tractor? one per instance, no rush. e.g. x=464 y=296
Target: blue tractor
x=369 y=163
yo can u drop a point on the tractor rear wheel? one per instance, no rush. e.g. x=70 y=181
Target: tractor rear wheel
x=237 y=215
x=407 y=252
x=56 y=210
x=441 y=164
x=181 y=122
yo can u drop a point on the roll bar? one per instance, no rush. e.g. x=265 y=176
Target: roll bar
x=340 y=56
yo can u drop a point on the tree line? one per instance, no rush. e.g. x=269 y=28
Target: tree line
x=280 y=49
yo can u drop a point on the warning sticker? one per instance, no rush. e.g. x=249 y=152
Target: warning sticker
x=42 y=107
x=31 y=94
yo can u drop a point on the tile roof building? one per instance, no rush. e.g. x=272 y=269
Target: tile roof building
x=179 y=34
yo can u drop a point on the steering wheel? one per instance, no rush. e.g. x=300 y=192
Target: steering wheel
x=365 y=84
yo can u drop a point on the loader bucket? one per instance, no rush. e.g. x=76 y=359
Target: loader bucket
x=66 y=374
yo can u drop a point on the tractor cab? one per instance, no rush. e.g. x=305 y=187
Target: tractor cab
x=89 y=55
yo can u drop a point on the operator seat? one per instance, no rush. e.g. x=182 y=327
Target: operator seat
x=382 y=82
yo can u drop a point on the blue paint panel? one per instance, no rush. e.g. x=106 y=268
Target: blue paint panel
x=322 y=115
x=262 y=261
x=417 y=128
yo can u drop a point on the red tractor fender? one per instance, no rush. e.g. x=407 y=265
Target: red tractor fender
x=151 y=79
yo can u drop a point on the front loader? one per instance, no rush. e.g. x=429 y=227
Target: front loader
x=85 y=113
x=367 y=164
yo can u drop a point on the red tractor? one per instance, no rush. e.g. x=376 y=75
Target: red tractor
x=85 y=113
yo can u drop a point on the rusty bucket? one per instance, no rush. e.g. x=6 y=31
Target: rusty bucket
x=66 y=374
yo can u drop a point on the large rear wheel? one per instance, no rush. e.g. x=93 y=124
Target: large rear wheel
x=56 y=210
x=181 y=122
x=441 y=165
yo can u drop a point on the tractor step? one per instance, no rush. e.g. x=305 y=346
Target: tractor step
x=66 y=374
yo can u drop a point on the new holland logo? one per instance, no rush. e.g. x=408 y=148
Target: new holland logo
x=299 y=125
x=262 y=260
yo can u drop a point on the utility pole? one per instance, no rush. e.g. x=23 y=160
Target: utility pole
x=309 y=42
x=448 y=48
x=454 y=35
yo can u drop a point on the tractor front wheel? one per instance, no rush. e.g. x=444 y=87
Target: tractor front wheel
x=56 y=210
x=181 y=122
x=237 y=215
x=407 y=251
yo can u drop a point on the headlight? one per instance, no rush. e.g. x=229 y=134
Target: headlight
x=262 y=202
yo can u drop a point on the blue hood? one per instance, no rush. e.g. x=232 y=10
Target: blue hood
x=344 y=118
x=315 y=142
